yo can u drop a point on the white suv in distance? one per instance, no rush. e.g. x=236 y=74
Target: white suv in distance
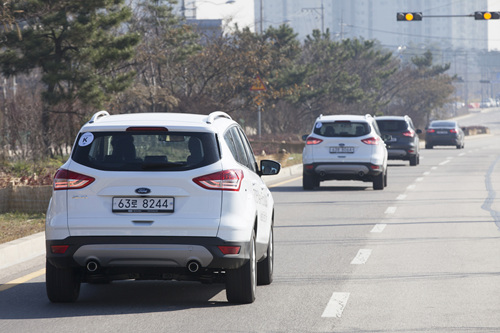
x=344 y=147
x=160 y=196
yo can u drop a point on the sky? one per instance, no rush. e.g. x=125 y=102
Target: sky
x=241 y=11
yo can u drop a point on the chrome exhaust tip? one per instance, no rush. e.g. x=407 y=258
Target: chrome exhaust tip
x=193 y=266
x=92 y=266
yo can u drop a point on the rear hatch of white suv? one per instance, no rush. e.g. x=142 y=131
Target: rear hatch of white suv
x=344 y=148
x=343 y=141
x=142 y=184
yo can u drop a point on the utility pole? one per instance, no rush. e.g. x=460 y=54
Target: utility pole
x=321 y=12
x=261 y=16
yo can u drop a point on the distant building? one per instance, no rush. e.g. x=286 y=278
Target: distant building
x=376 y=19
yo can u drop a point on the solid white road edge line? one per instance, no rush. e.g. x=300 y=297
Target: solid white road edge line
x=336 y=305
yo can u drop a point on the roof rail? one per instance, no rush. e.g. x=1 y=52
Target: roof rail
x=217 y=114
x=98 y=115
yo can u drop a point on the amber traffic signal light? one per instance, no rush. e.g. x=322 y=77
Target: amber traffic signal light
x=409 y=16
x=487 y=15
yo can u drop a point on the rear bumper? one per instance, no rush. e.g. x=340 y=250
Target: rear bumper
x=400 y=153
x=162 y=253
x=442 y=141
x=344 y=171
x=402 y=150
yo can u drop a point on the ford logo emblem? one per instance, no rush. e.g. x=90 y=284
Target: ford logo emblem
x=143 y=190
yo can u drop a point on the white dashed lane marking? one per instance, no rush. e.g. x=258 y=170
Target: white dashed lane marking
x=391 y=210
x=362 y=257
x=379 y=227
x=336 y=305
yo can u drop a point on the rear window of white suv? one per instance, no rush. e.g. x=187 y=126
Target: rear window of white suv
x=145 y=150
x=342 y=129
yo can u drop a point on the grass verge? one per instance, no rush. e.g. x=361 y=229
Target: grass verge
x=18 y=225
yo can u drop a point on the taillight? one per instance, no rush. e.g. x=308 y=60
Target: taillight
x=409 y=134
x=229 y=249
x=430 y=130
x=371 y=141
x=69 y=180
x=313 y=141
x=227 y=180
x=453 y=131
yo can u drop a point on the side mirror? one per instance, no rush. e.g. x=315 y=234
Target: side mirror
x=304 y=137
x=268 y=168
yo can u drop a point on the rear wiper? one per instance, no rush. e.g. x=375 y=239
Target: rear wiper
x=160 y=165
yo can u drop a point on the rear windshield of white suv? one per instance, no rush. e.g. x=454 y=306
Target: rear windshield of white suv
x=342 y=129
x=145 y=150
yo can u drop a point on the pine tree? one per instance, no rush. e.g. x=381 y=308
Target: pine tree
x=79 y=47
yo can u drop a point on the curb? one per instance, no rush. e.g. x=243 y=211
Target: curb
x=284 y=173
x=22 y=249
x=29 y=247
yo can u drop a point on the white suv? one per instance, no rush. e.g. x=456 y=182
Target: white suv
x=160 y=196
x=344 y=147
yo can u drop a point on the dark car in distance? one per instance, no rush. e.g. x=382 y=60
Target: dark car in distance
x=444 y=133
x=403 y=143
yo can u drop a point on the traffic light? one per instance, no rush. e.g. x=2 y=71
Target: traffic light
x=413 y=16
x=487 y=15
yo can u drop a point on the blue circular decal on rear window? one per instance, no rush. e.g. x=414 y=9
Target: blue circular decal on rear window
x=319 y=124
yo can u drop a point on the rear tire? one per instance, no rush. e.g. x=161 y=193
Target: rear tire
x=242 y=282
x=62 y=285
x=309 y=182
x=413 y=160
x=265 y=267
x=378 y=182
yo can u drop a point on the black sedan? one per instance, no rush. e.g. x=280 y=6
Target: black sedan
x=444 y=133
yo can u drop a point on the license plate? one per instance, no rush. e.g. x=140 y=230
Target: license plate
x=441 y=132
x=341 y=150
x=143 y=205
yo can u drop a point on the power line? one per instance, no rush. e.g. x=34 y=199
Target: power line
x=422 y=36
